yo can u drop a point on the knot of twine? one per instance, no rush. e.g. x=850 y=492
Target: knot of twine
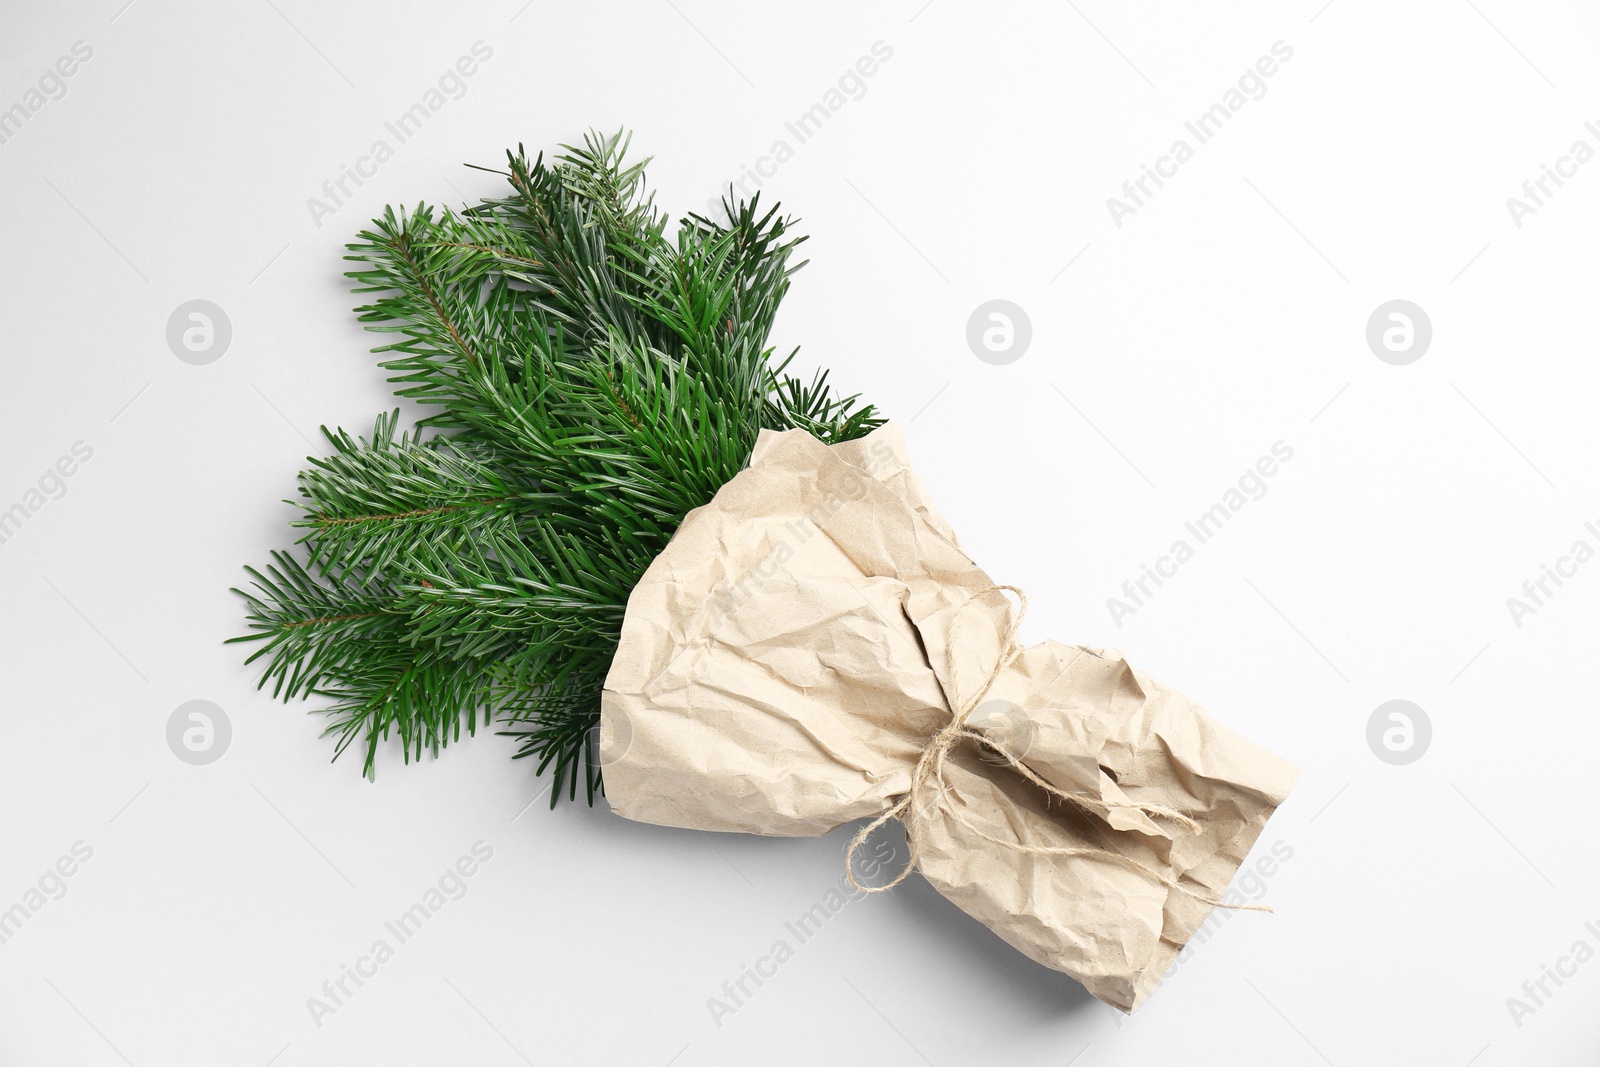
x=929 y=789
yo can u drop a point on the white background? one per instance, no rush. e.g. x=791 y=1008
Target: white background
x=1227 y=314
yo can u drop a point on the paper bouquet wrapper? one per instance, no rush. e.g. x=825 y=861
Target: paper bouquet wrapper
x=789 y=658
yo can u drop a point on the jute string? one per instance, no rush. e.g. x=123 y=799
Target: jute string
x=929 y=789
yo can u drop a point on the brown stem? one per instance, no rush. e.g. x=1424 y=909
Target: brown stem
x=427 y=291
x=331 y=618
x=323 y=520
x=626 y=410
x=492 y=251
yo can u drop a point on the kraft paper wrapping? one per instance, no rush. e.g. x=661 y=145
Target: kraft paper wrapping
x=787 y=659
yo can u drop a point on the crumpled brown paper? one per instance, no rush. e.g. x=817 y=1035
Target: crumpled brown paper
x=788 y=658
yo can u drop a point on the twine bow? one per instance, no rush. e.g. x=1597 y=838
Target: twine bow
x=929 y=775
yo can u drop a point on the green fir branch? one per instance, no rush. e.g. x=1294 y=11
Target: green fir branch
x=587 y=379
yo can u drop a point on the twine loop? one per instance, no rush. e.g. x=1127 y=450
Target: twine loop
x=928 y=775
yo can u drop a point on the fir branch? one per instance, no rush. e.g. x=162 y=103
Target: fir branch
x=373 y=505
x=588 y=381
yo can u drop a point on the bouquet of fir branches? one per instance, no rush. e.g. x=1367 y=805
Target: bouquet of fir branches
x=619 y=509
